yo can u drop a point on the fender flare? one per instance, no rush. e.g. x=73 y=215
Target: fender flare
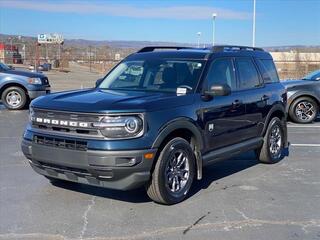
x=176 y=124
x=10 y=84
x=277 y=107
x=183 y=123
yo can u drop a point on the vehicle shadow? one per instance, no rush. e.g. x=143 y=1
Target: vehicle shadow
x=222 y=169
x=2 y=107
x=135 y=196
x=210 y=175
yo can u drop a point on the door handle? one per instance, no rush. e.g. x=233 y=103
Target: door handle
x=264 y=98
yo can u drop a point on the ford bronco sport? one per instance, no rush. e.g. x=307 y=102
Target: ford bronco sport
x=158 y=118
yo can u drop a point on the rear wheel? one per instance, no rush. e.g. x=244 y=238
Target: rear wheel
x=14 y=98
x=173 y=174
x=273 y=143
x=304 y=110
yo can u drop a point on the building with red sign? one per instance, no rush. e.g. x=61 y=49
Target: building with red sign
x=9 y=54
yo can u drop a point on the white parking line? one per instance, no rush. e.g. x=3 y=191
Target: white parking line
x=304 y=145
x=303 y=126
x=10 y=137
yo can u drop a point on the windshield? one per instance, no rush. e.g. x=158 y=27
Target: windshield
x=312 y=75
x=3 y=66
x=154 y=75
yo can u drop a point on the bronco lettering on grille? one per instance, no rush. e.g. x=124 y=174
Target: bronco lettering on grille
x=61 y=122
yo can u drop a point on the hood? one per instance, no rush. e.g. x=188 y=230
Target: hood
x=292 y=83
x=98 y=100
x=25 y=73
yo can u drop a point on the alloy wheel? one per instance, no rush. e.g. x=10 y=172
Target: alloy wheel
x=14 y=98
x=177 y=171
x=275 y=141
x=305 y=110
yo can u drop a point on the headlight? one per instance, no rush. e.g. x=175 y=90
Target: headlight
x=34 y=80
x=120 y=126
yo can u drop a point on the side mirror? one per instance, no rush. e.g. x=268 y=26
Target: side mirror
x=219 y=90
x=318 y=78
x=98 y=82
x=11 y=67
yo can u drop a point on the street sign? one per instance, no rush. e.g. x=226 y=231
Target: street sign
x=48 y=38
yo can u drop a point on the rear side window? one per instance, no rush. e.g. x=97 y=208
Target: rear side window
x=248 y=74
x=221 y=72
x=268 y=71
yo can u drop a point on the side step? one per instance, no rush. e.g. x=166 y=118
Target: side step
x=229 y=151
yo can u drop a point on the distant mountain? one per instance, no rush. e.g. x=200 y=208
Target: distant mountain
x=99 y=43
x=139 y=44
x=120 y=44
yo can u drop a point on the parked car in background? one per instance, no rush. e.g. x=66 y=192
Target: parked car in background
x=18 y=87
x=304 y=98
x=46 y=66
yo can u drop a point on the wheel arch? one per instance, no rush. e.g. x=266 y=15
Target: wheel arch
x=186 y=129
x=278 y=111
x=13 y=84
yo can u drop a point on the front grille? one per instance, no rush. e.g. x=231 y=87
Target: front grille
x=60 y=143
x=63 y=169
x=45 y=81
x=51 y=122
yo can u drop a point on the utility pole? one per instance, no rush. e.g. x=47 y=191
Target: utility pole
x=24 y=52
x=254 y=25
x=90 y=57
x=37 y=57
x=199 y=35
x=214 y=15
x=47 y=51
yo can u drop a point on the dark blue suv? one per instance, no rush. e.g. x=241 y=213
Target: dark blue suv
x=158 y=118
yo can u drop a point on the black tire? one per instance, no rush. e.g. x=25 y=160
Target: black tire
x=302 y=105
x=265 y=154
x=159 y=188
x=16 y=92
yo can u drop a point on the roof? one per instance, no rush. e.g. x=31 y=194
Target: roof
x=156 y=52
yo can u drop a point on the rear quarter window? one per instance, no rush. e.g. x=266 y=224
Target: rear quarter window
x=268 y=70
x=248 y=74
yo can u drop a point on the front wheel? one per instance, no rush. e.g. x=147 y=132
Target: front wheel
x=272 y=149
x=173 y=174
x=14 y=98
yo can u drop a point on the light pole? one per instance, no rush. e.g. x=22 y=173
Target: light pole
x=90 y=57
x=254 y=25
x=47 y=58
x=199 y=35
x=214 y=15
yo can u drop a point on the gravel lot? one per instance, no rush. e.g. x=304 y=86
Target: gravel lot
x=237 y=199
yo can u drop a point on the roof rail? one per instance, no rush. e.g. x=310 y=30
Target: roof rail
x=224 y=48
x=152 y=48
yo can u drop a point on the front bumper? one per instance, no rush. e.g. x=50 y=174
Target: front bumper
x=34 y=94
x=107 y=169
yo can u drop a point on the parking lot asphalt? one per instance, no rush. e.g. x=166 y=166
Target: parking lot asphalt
x=78 y=77
x=237 y=198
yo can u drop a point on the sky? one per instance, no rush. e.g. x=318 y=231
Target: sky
x=278 y=22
